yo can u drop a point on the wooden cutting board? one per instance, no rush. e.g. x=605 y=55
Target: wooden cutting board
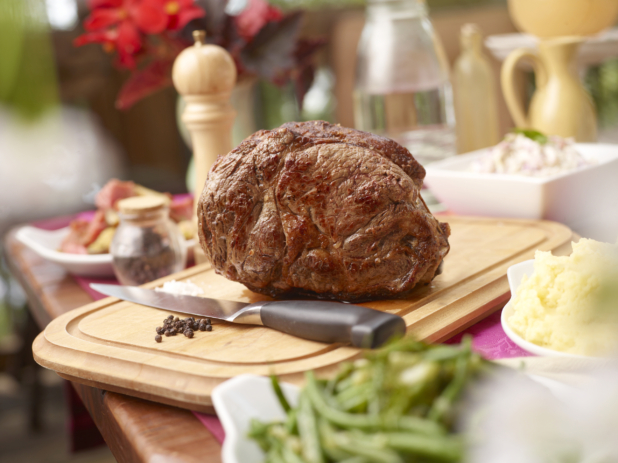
x=110 y=343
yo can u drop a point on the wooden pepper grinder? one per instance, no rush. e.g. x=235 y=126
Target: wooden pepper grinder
x=205 y=76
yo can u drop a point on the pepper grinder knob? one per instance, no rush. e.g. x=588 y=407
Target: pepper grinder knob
x=205 y=76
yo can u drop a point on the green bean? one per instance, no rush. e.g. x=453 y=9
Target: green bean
x=356 y=459
x=291 y=421
x=344 y=371
x=289 y=456
x=442 y=405
x=274 y=455
x=354 y=396
x=374 y=402
x=363 y=421
x=402 y=360
x=279 y=393
x=442 y=353
x=258 y=431
x=357 y=378
x=327 y=437
x=401 y=400
x=361 y=447
x=405 y=344
x=446 y=449
x=308 y=430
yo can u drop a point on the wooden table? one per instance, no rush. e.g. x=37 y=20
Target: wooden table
x=135 y=430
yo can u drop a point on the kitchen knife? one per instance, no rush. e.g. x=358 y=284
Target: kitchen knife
x=315 y=320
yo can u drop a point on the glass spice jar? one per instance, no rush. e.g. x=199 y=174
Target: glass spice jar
x=147 y=245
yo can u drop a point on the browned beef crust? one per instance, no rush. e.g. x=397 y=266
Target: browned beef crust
x=314 y=209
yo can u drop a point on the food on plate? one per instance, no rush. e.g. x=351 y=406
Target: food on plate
x=317 y=210
x=557 y=306
x=95 y=236
x=528 y=152
x=103 y=241
x=397 y=404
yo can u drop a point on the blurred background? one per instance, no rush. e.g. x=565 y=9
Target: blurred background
x=62 y=137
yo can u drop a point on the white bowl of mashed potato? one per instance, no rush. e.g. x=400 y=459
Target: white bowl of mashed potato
x=584 y=196
x=565 y=305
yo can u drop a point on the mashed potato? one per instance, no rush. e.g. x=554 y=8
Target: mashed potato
x=559 y=306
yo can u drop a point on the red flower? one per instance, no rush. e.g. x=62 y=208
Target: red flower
x=120 y=24
x=256 y=15
x=125 y=39
x=105 y=13
x=178 y=12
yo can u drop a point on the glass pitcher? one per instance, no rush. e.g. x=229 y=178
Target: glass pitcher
x=402 y=86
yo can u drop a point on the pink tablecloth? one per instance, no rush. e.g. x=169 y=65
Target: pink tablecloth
x=488 y=336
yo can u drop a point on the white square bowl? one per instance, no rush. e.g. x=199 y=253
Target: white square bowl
x=586 y=199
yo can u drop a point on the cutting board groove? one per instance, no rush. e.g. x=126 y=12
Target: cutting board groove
x=110 y=343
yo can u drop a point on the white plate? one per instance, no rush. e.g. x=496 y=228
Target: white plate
x=239 y=400
x=515 y=274
x=586 y=200
x=46 y=244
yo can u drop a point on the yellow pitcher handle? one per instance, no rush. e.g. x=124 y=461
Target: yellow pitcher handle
x=513 y=101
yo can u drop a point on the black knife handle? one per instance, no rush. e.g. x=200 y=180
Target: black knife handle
x=332 y=322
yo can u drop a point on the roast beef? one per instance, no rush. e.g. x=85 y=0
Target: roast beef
x=317 y=210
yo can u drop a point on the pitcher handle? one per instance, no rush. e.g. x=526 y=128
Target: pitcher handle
x=513 y=102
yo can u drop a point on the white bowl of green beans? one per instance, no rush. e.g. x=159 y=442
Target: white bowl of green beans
x=397 y=404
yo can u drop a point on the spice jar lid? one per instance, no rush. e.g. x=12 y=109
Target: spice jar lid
x=141 y=204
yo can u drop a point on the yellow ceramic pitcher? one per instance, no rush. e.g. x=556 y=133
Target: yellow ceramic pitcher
x=561 y=105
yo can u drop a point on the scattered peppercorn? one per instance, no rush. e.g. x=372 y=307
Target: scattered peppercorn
x=187 y=326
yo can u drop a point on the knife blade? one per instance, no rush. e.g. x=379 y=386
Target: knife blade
x=317 y=320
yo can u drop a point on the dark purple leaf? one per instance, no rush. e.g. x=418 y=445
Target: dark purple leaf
x=304 y=70
x=215 y=15
x=271 y=52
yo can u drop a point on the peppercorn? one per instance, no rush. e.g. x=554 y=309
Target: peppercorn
x=158 y=338
x=202 y=327
x=189 y=333
x=160 y=330
x=208 y=327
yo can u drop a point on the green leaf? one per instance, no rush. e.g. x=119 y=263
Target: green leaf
x=532 y=135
